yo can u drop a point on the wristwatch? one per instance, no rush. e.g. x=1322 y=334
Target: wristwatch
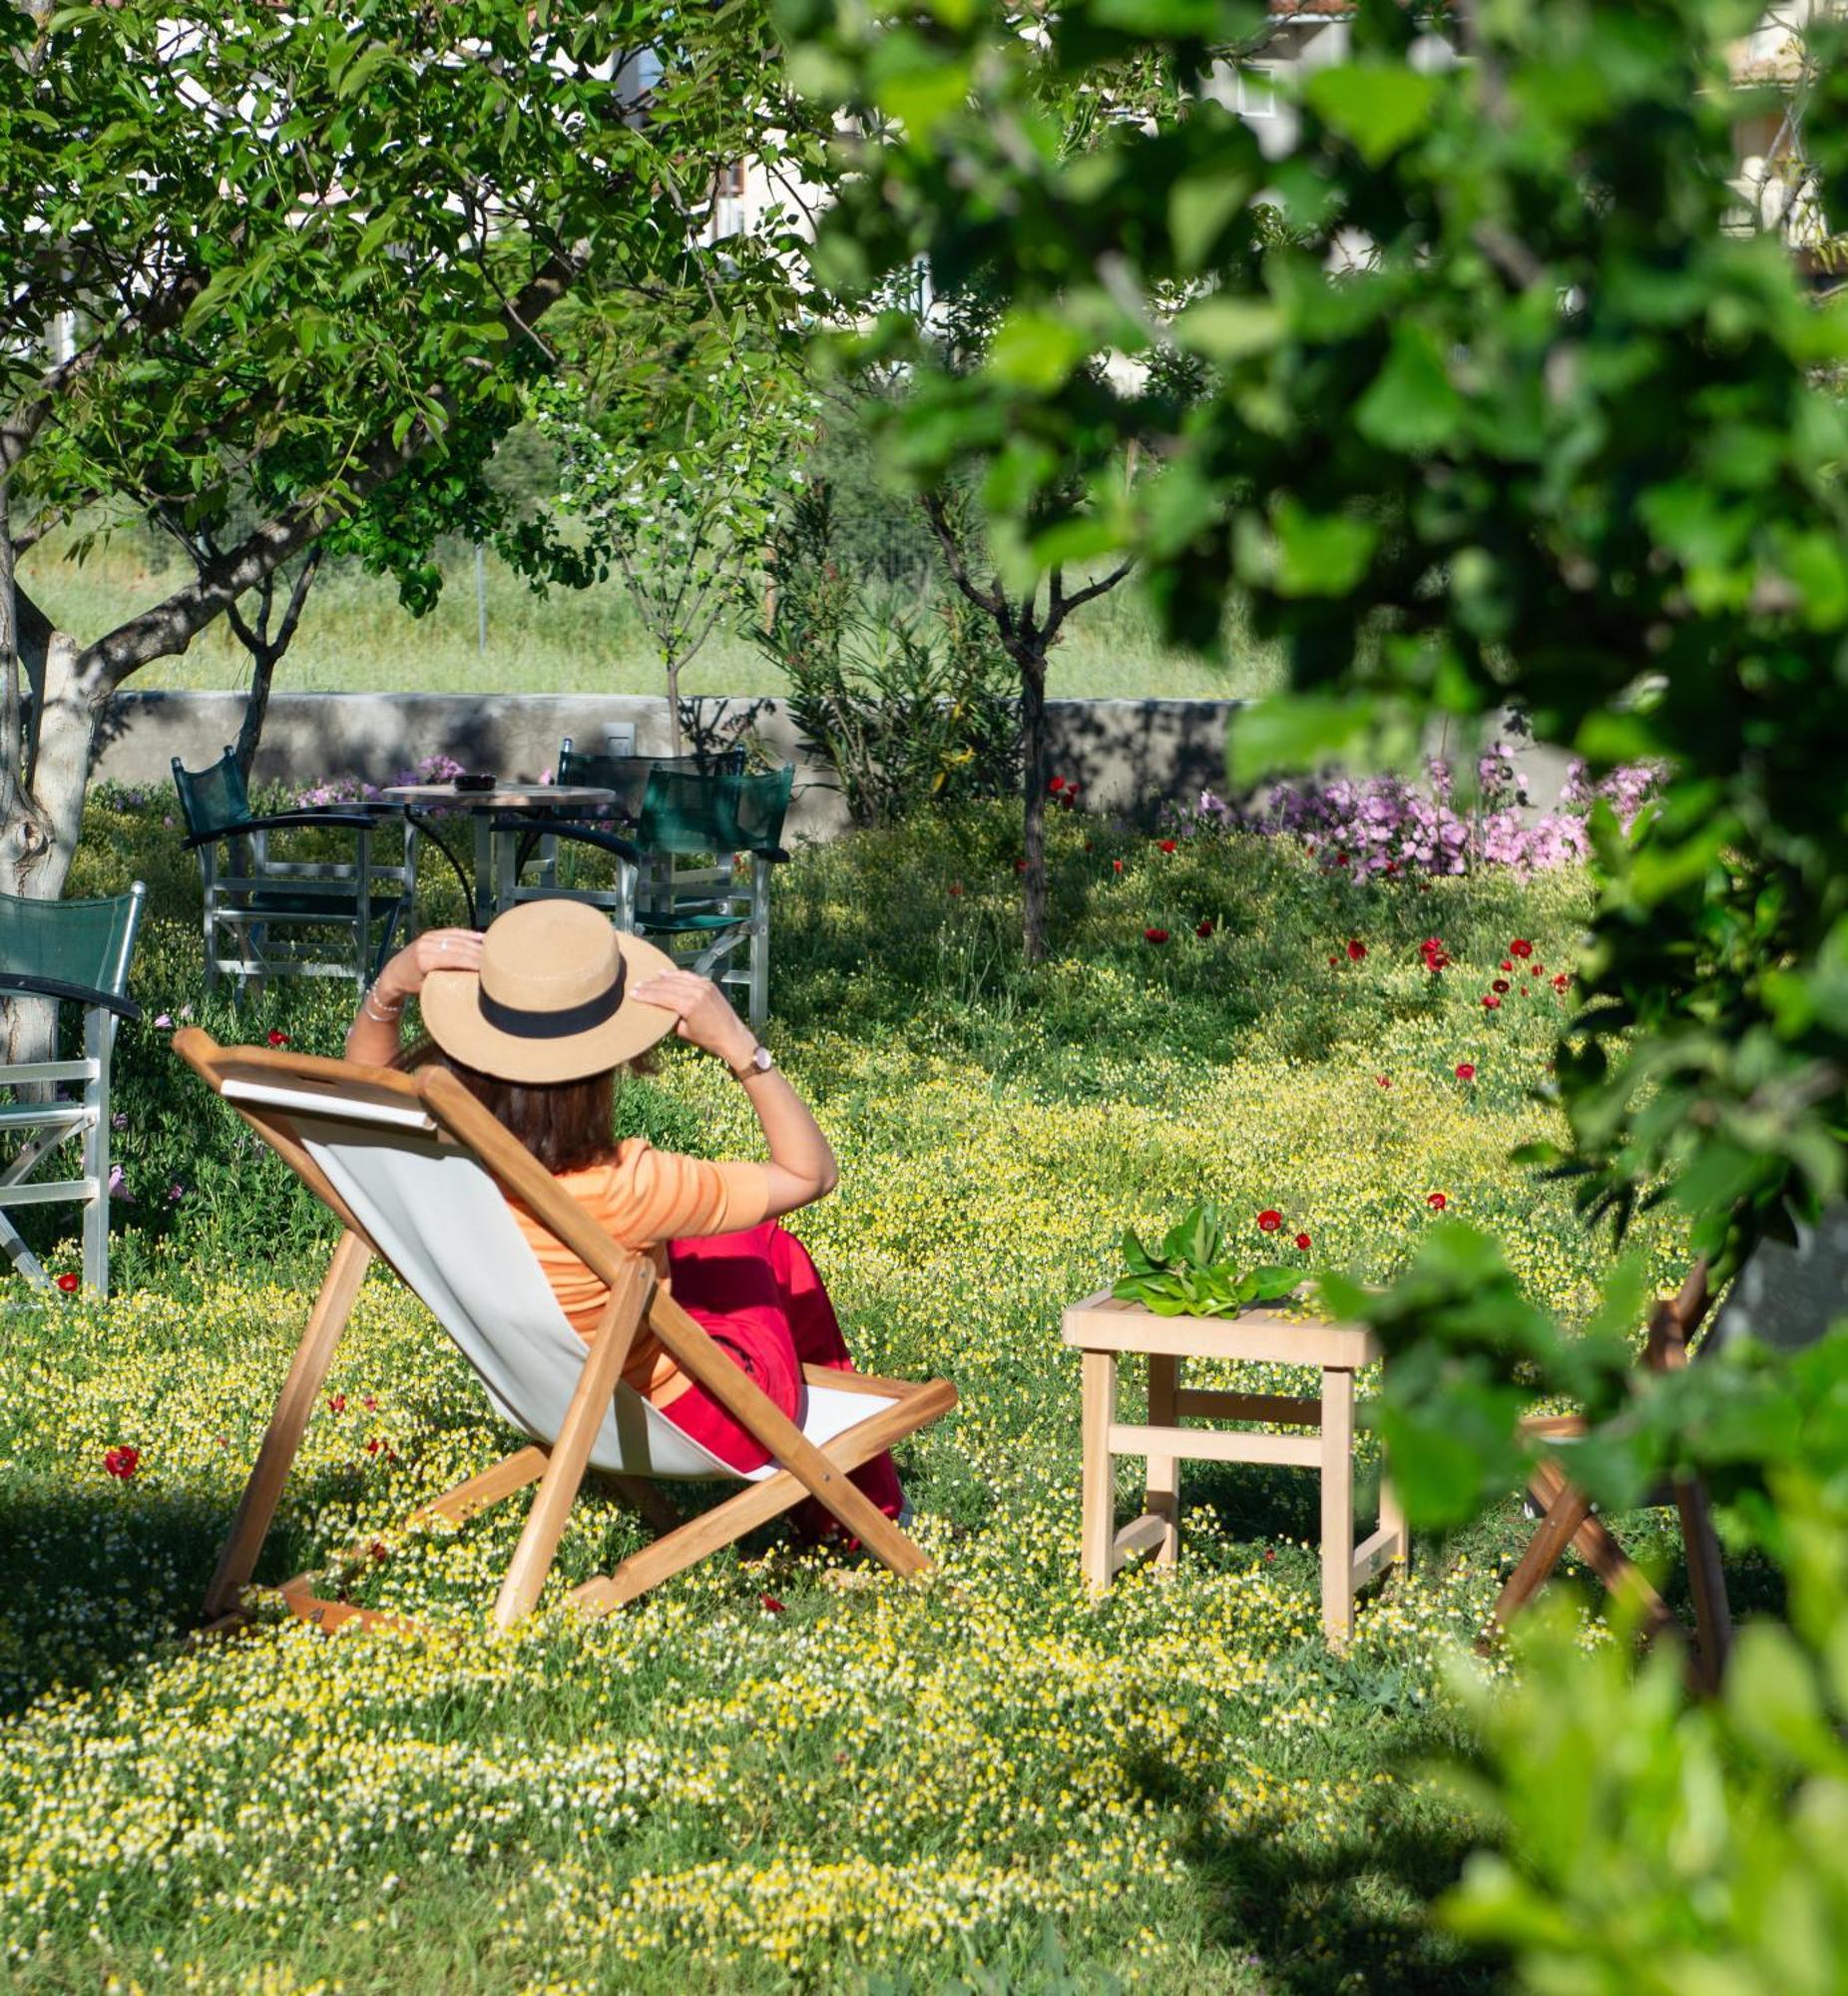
x=760 y=1060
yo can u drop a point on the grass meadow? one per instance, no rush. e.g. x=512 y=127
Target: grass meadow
x=356 y=638
x=785 y=1770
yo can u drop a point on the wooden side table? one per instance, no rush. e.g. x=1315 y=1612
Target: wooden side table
x=1104 y=1329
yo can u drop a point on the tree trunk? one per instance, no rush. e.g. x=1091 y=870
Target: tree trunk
x=1034 y=777
x=43 y=816
x=255 y=707
x=674 y=704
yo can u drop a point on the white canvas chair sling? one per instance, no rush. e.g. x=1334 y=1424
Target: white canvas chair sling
x=415 y=1168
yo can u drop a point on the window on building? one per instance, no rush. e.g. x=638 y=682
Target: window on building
x=731 y=179
x=1258 y=97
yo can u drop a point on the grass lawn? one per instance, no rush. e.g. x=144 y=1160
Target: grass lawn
x=760 y=1777
x=355 y=638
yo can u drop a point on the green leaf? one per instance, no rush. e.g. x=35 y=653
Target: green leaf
x=1035 y=351
x=1294 y=731
x=1201 y=206
x=1227 y=329
x=1320 y=554
x=1412 y=406
x=1378 y=106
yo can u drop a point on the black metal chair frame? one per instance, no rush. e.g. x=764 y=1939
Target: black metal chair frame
x=257 y=893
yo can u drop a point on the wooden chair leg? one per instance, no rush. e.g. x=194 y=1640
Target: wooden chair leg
x=287 y=1424
x=571 y=1454
x=1567 y=1511
x=759 y=1416
x=1706 y=1582
x=1163 y=1487
x=1338 y=1506
x=759 y=1502
x=1098 y=1519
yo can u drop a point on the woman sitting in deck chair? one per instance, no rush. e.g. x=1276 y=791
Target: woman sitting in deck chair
x=536 y=1018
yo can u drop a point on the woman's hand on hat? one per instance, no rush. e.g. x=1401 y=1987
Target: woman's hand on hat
x=435 y=950
x=706 y=1019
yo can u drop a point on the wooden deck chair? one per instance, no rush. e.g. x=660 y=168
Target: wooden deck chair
x=1566 y=1518
x=414 y=1168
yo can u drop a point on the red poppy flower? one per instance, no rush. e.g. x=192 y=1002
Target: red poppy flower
x=1436 y=1201
x=1341 y=860
x=1384 y=1079
x=378 y=1551
x=956 y=890
x=1168 y=845
x=772 y=1605
x=70 y=1284
x=122 y=1463
x=369 y=1403
x=1501 y=985
x=1489 y=1002
x=1390 y=868
x=1538 y=970
x=1154 y=935
x=1357 y=950
x=336 y=1404
x=1560 y=982
x=1333 y=961
x=1204 y=929
x=1466 y=1071
x=1302 y=1241
x=1520 y=947
x=1506 y=966
x=1056 y=785
x=1019 y=866
x=1116 y=865
x=1269 y=1220
x=277 y=1037
x=372 y=1447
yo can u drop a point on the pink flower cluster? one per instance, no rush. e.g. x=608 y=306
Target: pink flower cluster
x=349 y=790
x=1384 y=825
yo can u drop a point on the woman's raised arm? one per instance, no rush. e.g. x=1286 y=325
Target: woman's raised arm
x=372 y=1038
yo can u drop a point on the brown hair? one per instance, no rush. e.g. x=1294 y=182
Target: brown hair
x=566 y=1125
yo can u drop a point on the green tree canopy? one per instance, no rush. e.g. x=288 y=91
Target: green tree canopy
x=309 y=253
x=1512 y=409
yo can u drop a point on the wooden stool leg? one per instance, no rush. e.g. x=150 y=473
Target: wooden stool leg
x=1163 y=1498
x=1392 y=1515
x=1097 y=1531
x=1338 y=1506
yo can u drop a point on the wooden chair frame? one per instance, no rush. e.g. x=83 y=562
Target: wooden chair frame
x=1567 y=1519
x=806 y=1470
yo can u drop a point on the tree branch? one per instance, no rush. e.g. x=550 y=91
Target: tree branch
x=991 y=600
x=1060 y=606
x=169 y=627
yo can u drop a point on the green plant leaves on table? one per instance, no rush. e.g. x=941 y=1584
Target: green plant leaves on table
x=1192 y=1276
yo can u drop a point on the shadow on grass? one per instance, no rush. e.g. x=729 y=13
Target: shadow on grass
x=1355 y=1914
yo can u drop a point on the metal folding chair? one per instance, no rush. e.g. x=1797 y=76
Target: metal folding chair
x=533 y=839
x=76 y=954
x=256 y=903
x=728 y=826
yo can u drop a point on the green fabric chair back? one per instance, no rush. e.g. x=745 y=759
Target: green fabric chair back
x=212 y=799
x=84 y=945
x=628 y=775
x=687 y=812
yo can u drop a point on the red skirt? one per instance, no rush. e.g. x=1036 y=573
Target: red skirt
x=757 y=1295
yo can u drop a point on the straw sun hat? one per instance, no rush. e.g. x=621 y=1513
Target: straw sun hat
x=551 y=1000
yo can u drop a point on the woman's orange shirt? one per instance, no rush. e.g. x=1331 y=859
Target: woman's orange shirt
x=643 y=1198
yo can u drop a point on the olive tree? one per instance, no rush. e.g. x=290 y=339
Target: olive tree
x=301 y=250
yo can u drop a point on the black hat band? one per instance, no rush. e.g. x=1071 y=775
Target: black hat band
x=524 y=1024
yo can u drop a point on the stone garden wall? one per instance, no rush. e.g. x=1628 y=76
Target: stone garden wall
x=1130 y=756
